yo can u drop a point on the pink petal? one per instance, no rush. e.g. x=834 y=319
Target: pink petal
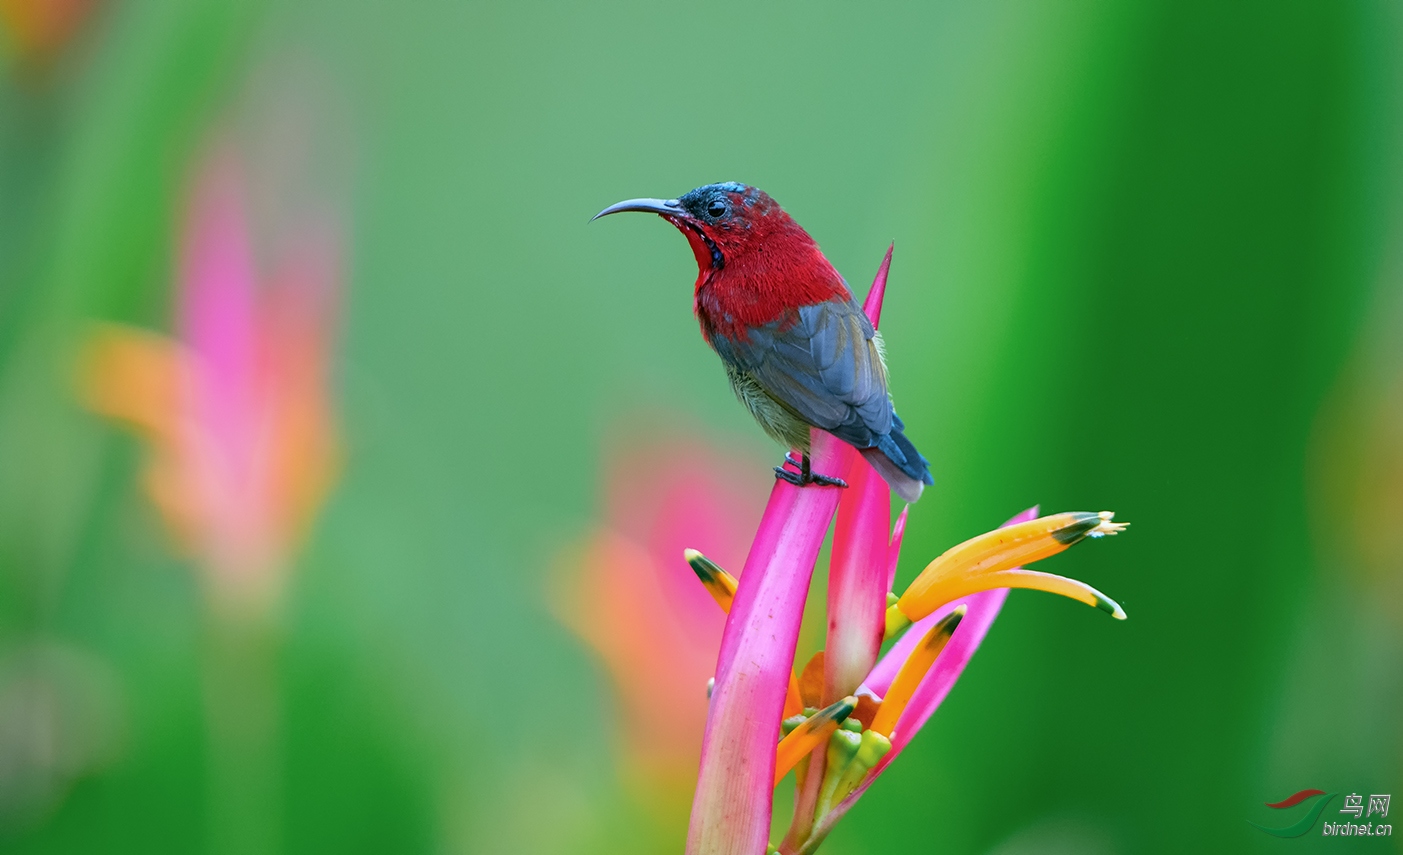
x=894 y=550
x=226 y=423
x=857 y=582
x=873 y=304
x=735 y=788
x=217 y=297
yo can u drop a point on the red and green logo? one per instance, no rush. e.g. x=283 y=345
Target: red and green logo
x=1307 y=820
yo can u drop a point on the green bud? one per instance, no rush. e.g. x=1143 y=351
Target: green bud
x=843 y=746
x=873 y=748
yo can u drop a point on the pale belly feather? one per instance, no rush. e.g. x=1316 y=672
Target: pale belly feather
x=775 y=419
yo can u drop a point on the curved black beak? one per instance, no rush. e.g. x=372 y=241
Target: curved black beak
x=665 y=207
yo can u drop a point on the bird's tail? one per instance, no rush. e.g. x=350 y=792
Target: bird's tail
x=900 y=464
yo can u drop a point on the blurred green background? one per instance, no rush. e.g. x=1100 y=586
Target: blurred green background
x=1147 y=258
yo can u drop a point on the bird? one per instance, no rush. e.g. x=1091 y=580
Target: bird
x=798 y=349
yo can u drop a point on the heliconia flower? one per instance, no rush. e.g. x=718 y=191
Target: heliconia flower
x=859 y=713
x=235 y=411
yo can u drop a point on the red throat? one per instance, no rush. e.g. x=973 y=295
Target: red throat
x=770 y=268
x=700 y=249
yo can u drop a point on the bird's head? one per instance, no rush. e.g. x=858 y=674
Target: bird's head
x=729 y=225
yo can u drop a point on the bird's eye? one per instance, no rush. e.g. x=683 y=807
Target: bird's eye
x=716 y=208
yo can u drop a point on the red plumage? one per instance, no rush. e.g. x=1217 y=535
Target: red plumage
x=771 y=267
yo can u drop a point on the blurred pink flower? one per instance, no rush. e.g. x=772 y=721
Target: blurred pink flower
x=626 y=590
x=235 y=412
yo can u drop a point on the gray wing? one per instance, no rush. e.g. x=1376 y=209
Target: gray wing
x=822 y=363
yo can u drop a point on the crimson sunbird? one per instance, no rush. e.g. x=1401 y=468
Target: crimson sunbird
x=798 y=349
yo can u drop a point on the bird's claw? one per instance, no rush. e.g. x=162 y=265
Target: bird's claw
x=805 y=475
x=792 y=477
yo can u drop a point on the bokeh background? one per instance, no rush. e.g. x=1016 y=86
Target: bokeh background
x=1147 y=258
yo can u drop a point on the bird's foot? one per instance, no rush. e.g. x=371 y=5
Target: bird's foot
x=806 y=475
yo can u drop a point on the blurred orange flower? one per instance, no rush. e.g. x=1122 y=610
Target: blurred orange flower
x=627 y=591
x=238 y=429
x=38 y=29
